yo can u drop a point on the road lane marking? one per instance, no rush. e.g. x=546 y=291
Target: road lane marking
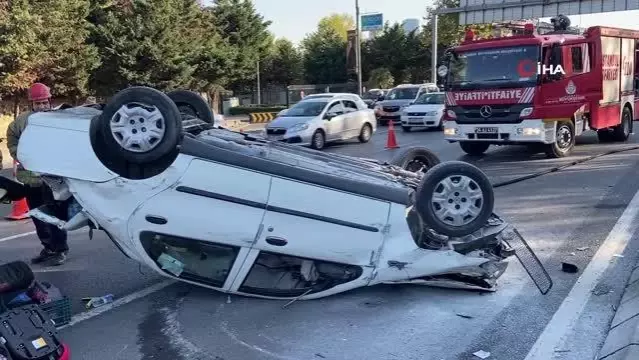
x=566 y=317
x=78 y=318
x=16 y=236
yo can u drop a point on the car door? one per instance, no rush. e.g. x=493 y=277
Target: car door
x=353 y=119
x=202 y=229
x=318 y=226
x=336 y=125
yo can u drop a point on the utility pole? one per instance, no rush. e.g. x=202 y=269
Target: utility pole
x=433 y=59
x=358 y=49
x=259 y=87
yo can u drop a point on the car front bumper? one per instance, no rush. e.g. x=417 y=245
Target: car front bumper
x=421 y=121
x=527 y=131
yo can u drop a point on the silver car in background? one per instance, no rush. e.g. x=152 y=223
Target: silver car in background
x=316 y=122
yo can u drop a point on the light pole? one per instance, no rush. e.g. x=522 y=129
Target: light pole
x=259 y=95
x=358 y=49
x=433 y=59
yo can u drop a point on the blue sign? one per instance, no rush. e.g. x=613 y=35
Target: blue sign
x=372 y=22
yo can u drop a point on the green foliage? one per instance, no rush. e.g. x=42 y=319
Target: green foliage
x=340 y=23
x=283 y=65
x=325 y=57
x=144 y=43
x=381 y=78
x=247 y=33
x=245 y=110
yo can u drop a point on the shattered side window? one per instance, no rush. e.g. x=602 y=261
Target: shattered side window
x=190 y=259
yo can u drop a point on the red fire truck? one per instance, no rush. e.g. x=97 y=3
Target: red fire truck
x=541 y=90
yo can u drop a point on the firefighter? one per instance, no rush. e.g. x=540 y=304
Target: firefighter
x=53 y=239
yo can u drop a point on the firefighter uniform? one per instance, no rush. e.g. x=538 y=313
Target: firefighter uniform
x=53 y=239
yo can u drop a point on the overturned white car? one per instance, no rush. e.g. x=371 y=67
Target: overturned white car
x=243 y=215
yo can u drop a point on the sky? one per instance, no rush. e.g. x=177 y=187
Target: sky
x=294 y=19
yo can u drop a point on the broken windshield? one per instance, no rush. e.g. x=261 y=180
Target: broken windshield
x=514 y=66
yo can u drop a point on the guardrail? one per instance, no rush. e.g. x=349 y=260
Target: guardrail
x=262 y=117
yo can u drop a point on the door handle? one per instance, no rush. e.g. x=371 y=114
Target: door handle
x=276 y=241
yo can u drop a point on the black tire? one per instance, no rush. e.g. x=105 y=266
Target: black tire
x=416 y=158
x=564 y=141
x=137 y=97
x=365 y=133
x=474 y=148
x=452 y=170
x=407 y=128
x=621 y=132
x=318 y=141
x=193 y=104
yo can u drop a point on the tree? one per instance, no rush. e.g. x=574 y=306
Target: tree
x=340 y=23
x=244 y=29
x=67 y=60
x=325 y=57
x=284 y=65
x=20 y=47
x=381 y=78
x=389 y=50
x=144 y=43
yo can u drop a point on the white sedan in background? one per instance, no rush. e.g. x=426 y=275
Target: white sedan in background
x=425 y=112
x=317 y=121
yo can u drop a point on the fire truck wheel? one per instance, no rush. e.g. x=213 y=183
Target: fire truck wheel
x=621 y=132
x=564 y=140
x=474 y=148
x=454 y=198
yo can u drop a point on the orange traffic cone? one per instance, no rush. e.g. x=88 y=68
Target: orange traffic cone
x=391 y=142
x=19 y=209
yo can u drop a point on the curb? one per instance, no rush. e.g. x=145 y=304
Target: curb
x=622 y=341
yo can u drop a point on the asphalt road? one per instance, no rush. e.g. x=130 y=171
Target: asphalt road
x=565 y=216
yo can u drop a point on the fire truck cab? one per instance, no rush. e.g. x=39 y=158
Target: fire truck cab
x=541 y=90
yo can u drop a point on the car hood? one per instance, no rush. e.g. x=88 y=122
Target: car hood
x=289 y=121
x=58 y=143
x=394 y=102
x=424 y=108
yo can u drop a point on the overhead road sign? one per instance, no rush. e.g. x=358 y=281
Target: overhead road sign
x=488 y=11
x=372 y=22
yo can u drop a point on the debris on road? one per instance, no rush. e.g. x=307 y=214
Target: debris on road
x=320 y=356
x=482 y=354
x=569 y=268
x=583 y=248
x=617 y=255
x=95 y=302
x=464 y=316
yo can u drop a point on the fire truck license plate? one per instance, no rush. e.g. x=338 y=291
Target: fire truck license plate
x=486 y=130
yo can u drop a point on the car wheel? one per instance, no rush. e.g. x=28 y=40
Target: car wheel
x=366 y=133
x=455 y=199
x=407 y=128
x=621 y=132
x=416 y=159
x=191 y=103
x=474 y=148
x=564 y=140
x=318 y=141
x=140 y=125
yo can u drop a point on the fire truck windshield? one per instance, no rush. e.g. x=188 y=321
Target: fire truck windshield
x=514 y=66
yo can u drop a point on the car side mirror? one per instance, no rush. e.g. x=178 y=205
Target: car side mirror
x=329 y=116
x=381 y=98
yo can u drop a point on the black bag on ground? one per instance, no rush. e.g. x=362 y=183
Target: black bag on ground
x=29 y=334
x=15 y=276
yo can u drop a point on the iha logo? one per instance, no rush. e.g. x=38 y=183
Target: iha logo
x=550 y=70
x=528 y=68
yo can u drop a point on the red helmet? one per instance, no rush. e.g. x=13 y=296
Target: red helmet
x=38 y=92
